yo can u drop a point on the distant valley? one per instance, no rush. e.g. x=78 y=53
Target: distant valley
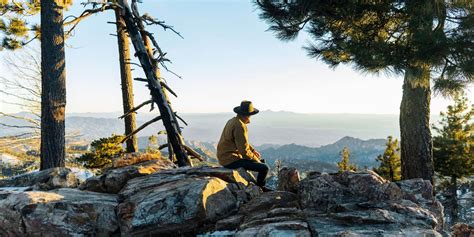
x=271 y=128
x=305 y=140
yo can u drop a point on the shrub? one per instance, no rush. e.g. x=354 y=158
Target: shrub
x=103 y=151
x=135 y=158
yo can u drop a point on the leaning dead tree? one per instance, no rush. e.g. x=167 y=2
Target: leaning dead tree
x=146 y=47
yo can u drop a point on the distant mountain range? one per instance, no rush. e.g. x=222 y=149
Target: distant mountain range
x=300 y=140
x=363 y=152
x=324 y=158
x=270 y=128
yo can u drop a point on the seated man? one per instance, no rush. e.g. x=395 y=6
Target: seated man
x=234 y=150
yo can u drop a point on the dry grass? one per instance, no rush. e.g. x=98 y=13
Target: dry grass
x=135 y=158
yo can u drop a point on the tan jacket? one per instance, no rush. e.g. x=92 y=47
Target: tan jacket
x=234 y=144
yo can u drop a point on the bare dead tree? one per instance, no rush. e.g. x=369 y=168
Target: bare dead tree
x=22 y=89
x=145 y=49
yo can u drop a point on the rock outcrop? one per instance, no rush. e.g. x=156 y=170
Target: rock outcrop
x=43 y=180
x=182 y=201
x=363 y=203
x=62 y=212
x=113 y=180
x=153 y=198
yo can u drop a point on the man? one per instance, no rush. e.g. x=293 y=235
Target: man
x=234 y=150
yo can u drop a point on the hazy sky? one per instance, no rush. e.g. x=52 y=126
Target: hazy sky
x=226 y=56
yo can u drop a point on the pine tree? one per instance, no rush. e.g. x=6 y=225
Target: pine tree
x=390 y=167
x=421 y=39
x=345 y=164
x=454 y=146
x=103 y=151
x=153 y=146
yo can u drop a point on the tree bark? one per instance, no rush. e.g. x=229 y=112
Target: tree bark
x=127 y=81
x=454 y=199
x=416 y=143
x=53 y=80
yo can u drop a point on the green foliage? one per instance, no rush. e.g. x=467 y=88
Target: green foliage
x=14 y=25
x=103 y=151
x=382 y=35
x=454 y=144
x=345 y=164
x=453 y=149
x=13 y=22
x=153 y=146
x=390 y=165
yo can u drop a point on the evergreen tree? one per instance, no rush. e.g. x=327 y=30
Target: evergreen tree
x=390 y=167
x=454 y=146
x=153 y=146
x=103 y=151
x=345 y=164
x=421 y=39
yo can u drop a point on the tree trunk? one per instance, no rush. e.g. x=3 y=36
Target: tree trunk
x=416 y=143
x=126 y=78
x=53 y=80
x=392 y=175
x=454 y=199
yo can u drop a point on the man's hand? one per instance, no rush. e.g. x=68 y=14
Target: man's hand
x=257 y=154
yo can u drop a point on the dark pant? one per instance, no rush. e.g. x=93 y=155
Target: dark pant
x=251 y=165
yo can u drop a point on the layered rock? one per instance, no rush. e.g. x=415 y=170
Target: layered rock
x=182 y=206
x=154 y=198
x=182 y=201
x=43 y=180
x=363 y=203
x=113 y=180
x=62 y=212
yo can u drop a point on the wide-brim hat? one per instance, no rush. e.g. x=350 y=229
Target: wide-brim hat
x=246 y=108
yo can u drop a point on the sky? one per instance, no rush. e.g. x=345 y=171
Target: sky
x=227 y=55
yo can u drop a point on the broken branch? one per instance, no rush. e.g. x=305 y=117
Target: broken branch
x=136 y=108
x=140 y=128
x=182 y=120
x=168 y=88
x=193 y=153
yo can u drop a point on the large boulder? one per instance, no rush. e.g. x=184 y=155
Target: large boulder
x=62 y=212
x=43 y=180
x=324 y=192
x=113 y=180
x=177 y=204
x=363 y=203
x=185 y=200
